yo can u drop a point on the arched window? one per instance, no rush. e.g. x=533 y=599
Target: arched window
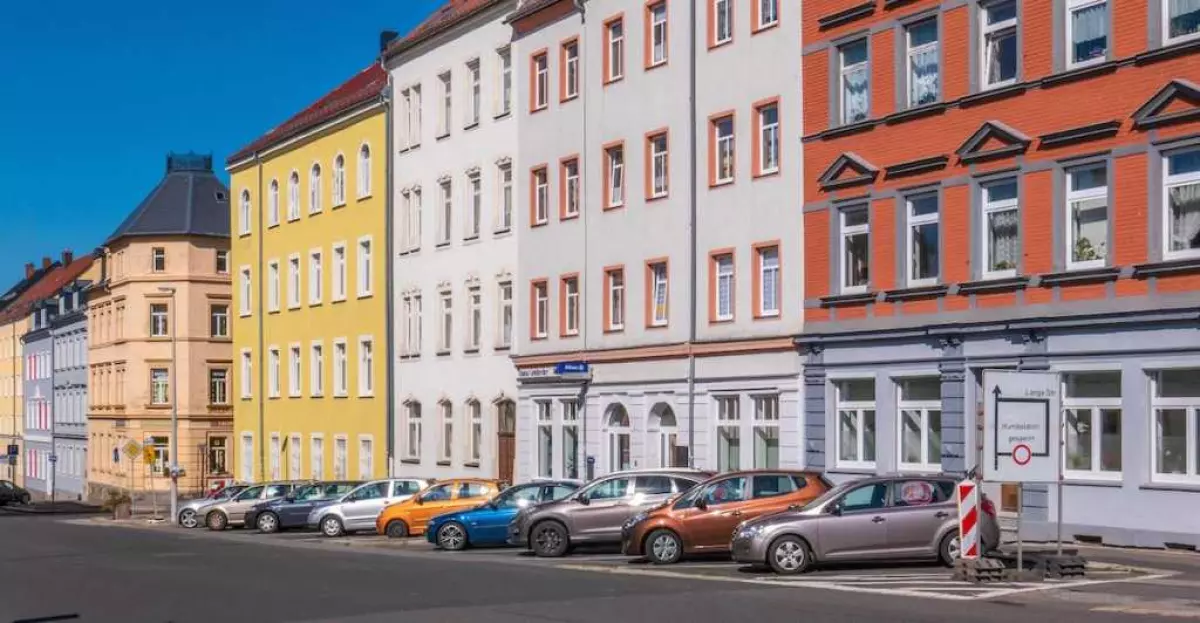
x=294 y=196
x=339 y=181
x=474 y=431
x=617 y=430
x=314 y=189
x=412 y=430
x=273 y=203
x=664 y=436
x=364 y=171
x=446 y=438
x=244 y=212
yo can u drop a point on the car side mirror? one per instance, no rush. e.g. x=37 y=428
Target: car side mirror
x=419 y=500
x=583 y=499
x=835 y=508
x=702 y=504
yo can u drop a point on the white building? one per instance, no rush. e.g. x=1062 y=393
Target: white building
x=688 y=341
x=453 y=84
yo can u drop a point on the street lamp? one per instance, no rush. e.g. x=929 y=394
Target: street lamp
x=174 y=447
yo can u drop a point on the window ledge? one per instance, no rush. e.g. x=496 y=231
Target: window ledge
x=759 y=29
x=914 y=167
x=1171 y=486
x=838 y=300
x=1079 y=73
x=443 y=463
x=993 y=94
x=846 y=16
x=769 y=316
x=502 y=114
x=471 y=351
x=614 y=331
x=471 y=238
x=919 y=292
x=1168 y=51
x=471 y=126
x=411 y=461
x=340 y=204
x=917 y=112
x=1085 y=481
x=653 y=66
x=720 y=183
x=442 y=136
x=537 y=109
x=442 y=353
x=656 y=327
x=984 y=286
x=471 y=464
x=502 y=347
x=766 y=174
x=1168 y=267
x=1085 y=275
x=716 y=321
x=442 y=245
x=891 y=4
x=502 y=231
x=1093 y=131
x=851 y=128
x=338 y=300
x=570 y=217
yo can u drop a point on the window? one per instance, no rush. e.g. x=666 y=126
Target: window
x=158 y=260
x=294 y=371
x=767 y=120
x=474 y=318
x=569 y=291
x=570 y=189
x=541 y=196
x=159 y=386
x=722 y=21
x=1092 y=427
x=999 y=43
x=923 y=240
x=446 y=325
x=339 y=458
x=766 y=432
x=506 y=314
x=767 y=292
x=1001 y=228
x=316 y=370
x=293 y=281
x=659 y=176
x=293 y=197
x=721 y=157
x=855 y=76
x=856 y=249
x=274 y=467
x=273 y=372
x=412 y=325
x=446 y=447
x=218 y=325
x=294 y=450
x=614 y=32
x=656 y=18
x=506 y=197
x=1087 y=32
x=729 y=435
x=1087 y=216
x=366 y=458
x=445 y=111
x=340 y=375
x=365 y=275
x=217 y=448
x=246 y=380
x=221 y=264
x=247 y=461
x=1181 y=20
x=473 y=87
x=273 y=203
x=366 y=366
x=615 y=286
x=541 y=81
x=410 y=119
x=768 y=13
x=856 y=423
x=244 y=213
x=316 y=457
x=314 y=189
x=315 y=278
x=273 y=286
x=545 y=438
x=1176 y=438
x=865 y=498
x=570 y=438
x=159 y=326
x=475 y=215
x=1182 y=213
x=569 y=57
x=722 y=270
x=614 y=183
x=339 y=181
x=414 y=219
x=364 y=172
x=506 y=80
x=541 y=310
x=339 y=271
x=446 y=214
x=412 y=428
x=923 y=62
x=920 y=408
x=658 y=299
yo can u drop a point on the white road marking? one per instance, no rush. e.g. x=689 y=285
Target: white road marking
x=1181 y=611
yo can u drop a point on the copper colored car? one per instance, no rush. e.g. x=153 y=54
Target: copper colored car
x=703 y=519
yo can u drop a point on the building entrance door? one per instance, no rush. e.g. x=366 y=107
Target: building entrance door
x=506 y=439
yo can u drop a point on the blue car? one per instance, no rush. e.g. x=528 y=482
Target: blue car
x=292 y=511
x=487 y=524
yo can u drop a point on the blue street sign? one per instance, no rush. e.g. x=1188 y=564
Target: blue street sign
x=13 y=449
x=571 y=367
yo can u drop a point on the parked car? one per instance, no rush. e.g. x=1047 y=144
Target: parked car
x=877 y=518
x=487 y=524
x=357 y=510
x=291 y=511
x=232 y=512
x=703 y=519
x=597 y=512
x=408 y=518
x=191 y=511
x=10 y=493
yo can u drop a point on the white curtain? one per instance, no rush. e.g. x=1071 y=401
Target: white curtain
x=1002 y=234
x=1185 y=216
x=1184 y=17
x=924 y=85
x=1089 y=30
x=855 y=95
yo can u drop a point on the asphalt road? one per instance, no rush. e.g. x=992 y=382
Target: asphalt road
x=51 y=567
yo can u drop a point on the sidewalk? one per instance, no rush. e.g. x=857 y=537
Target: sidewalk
x=53 y=508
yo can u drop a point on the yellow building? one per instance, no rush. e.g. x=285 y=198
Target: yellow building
x=309 y=237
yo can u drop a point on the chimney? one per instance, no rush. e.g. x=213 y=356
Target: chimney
x=46 y=262
x=29 y=270
x=385 y=38
x=67 y=257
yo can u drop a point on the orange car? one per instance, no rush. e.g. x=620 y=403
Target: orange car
x=704 y=518
x=409 y=518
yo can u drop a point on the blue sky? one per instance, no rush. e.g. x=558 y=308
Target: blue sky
x=94 y=94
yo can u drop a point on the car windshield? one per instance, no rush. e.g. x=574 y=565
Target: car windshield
x=828 y=495
x=249 y=494
x=519 y=496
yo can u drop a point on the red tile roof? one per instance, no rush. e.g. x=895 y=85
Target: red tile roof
x=363 y=87
x=45 y=287
x=452 y=12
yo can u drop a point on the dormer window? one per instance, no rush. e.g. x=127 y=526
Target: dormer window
x=158 y=260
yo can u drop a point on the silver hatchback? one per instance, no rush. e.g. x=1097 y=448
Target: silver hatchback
x=877 y=518
x=232 y=512
x=358 y=509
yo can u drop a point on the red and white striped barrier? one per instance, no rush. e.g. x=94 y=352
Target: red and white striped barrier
x=968 y=518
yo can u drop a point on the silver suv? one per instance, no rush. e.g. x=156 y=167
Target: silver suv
x=596 y=512
x=232 y=512
x=358 y=509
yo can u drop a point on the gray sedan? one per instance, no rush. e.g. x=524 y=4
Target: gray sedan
x=874 y=519
x=191 y=511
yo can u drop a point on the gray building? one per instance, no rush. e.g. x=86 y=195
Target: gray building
x=68 y=330
x=39 y=396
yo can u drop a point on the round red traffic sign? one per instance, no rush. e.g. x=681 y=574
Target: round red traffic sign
x=1022 y=454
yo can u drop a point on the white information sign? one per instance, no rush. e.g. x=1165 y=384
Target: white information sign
x=1022 y=414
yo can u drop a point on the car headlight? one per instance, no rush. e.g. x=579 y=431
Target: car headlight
x=748 y=532
x=635 y=520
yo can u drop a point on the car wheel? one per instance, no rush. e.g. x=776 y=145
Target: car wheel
x=26 y=500
x=549 y=539
x=452 y=537
x=267 y=523
x=332 y=527
x=950 y=549
x=188 y=518
x=789 y=555
x=217 y=521
x=396 y=529
x=663 y=547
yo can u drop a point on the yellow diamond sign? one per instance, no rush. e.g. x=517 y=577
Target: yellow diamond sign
x=132 y=449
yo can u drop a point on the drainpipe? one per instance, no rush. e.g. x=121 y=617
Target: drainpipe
x=691 y=379
x=389 y=271
x=580 y=5
x=262 y=403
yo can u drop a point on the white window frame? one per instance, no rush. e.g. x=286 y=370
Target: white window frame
x=160 y=324
x=616 y=49
x=413 y=441
x=722 y=9
x=293 y=207
x=725 y=150
x=1191 y=406
x=507 y=319
x=768 y=140
x=366 y=366
x=571 y=71
x=571 y=175
x=728 y=409
x=339 y=272
x=339 y=180
x=273 y=456
x=445 y=431
x=414 y=219
x=844 y=233
x=341 y=375
x=474 y=318
x=295 y=458
x=859 y=408
x=366 y=268
x=316 y=456
x=445 y=321
x=985 y=32
x=341 y=454
x=541 y=310
x=987 y=208
x=247 y=458
x=246 y=384
x=273 y=372
x=446 y=109
x=616 y=299
x=293 y=281
x=763 y=269
x=1094 y=406
x=844 y=70
x=922 y=407
x=1076 y=196
x=541 y=74
x=474 y=412
x=505 y=174
x=659 y=167
x=1068 y=35
x=658 y=33
x=245 y=301
x=544 y=445
x=571 y=301
x=915 y=221
x=505 y=90
x=541 y=196
x=316 y=369
x=273 y=203
x=1166 y=27
x=911 y=51
x=475 y=203
x=364 y=171
x=724 y=268
x=763 y=22
x=316 y=277
x=366 y=457
x=475 y=92
x=314 y=188
x=446 y=214
x=1169 y=182
x=615 y=164
x=660 y=289
x=295 y=370
x=766 y=418
x=244 y=210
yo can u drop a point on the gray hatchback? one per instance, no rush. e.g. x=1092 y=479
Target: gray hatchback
x=877 y=518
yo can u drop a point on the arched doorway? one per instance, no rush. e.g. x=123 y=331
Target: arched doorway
x=506 y=439
x=664 y=437
x=616 y=426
